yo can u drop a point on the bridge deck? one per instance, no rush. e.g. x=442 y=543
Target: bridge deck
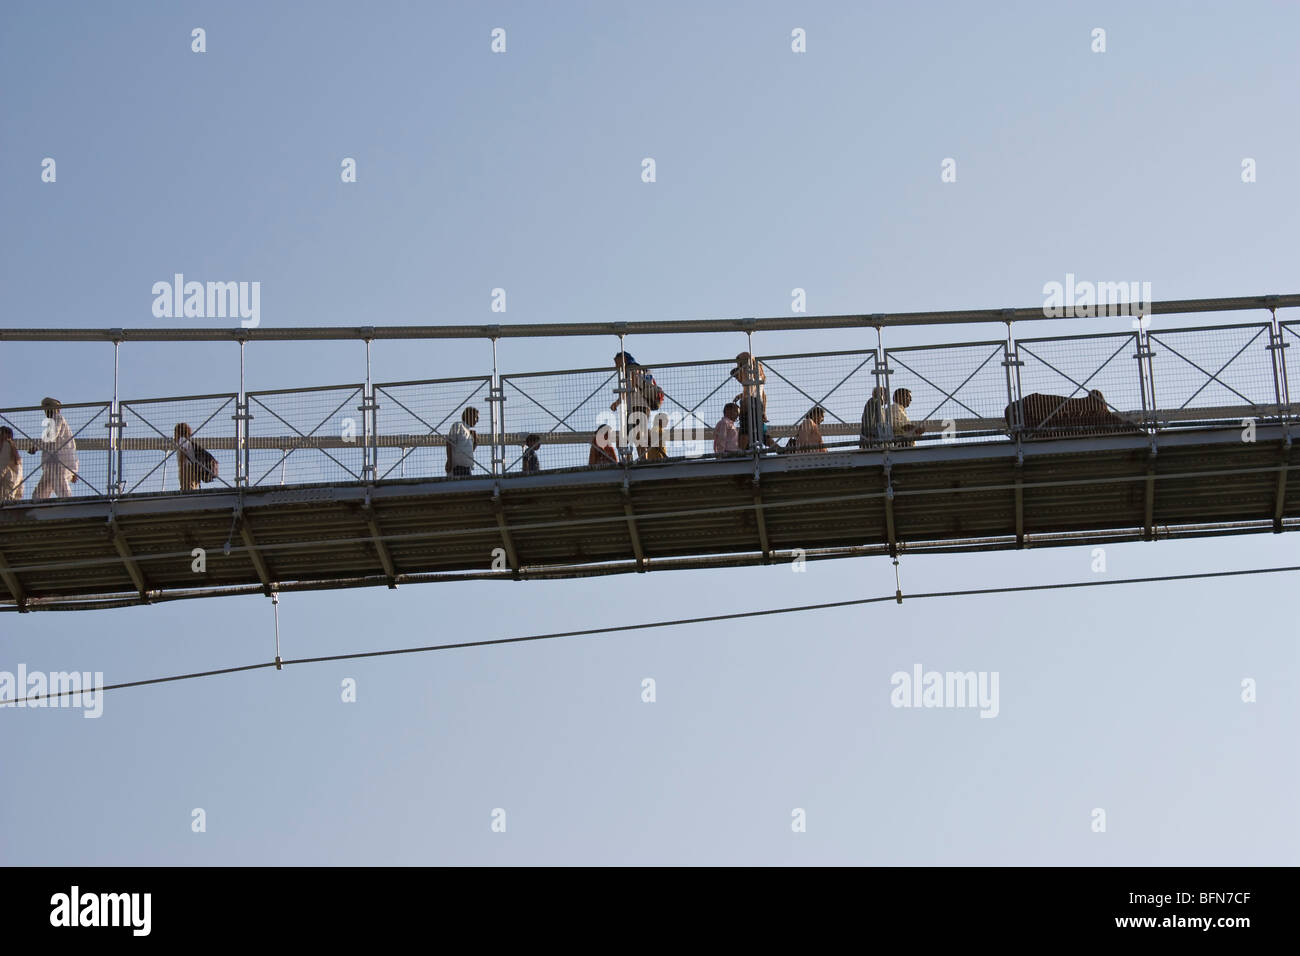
x=945 y=497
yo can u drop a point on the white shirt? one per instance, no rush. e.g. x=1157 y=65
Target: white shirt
x=461 y=443
x=899 y=423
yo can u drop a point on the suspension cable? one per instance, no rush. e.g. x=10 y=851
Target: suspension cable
x=679 y=622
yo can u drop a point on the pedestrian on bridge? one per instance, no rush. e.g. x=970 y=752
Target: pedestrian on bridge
x=658 y=449
x=752 y=400
x=58 y=450
x=809 y=436
x=187 y=468
x=726 y=437
x=530 y=463
x=11 y=467
x=637 y=385
x=604 y=450
x=873 y=431
x=905 y=431
x=461 y=442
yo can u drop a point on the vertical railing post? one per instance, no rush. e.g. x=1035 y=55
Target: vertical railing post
x=1277 y=348
x=241 y=418
x=1140 y=355
x=1146 y=380
x=116 y=482
x=369 y=424
x=624 y=396
x=1144 y=333
x=881 y=373
x=497 y=411
x=751 y=394
x=1012 y=363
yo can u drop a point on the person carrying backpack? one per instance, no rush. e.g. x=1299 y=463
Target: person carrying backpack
x=194 y=463
x=187 y=466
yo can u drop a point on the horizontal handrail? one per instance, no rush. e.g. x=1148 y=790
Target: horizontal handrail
x=1233 y=413
x=984 y=390
x=670 y=327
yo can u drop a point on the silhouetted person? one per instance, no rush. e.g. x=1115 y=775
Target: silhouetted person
x=187 y=467
x=873 y=419
x=530 y=462
x=809 y=435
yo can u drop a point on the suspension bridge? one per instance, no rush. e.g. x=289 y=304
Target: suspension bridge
x=1145 y=433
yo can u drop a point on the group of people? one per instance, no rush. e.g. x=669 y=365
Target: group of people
x=58 y=451
x=888 y=424
x=59 y=467
x=882 y=424
x=744 y=419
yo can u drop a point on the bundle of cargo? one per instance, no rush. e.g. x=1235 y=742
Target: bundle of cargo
x=1057 y=416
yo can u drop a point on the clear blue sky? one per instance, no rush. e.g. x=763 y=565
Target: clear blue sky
x=775 y=170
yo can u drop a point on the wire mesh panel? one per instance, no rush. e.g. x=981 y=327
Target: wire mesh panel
x=563 y=408
x=1289 y=357
x=1078 y=385
x=1219 y=372
x=839 y=382
x=413 y=419
x=71 y=451
x=694 y=395
x=153 y=457
x=957 y=392
x=306 y=435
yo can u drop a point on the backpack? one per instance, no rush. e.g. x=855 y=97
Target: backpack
x=206 y=463
x=654 y=395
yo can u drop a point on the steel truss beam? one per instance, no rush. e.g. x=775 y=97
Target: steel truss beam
x=263 y=572
x=498 y=508
x=128 y=558
x=13 y=584
x=1284 y=459
x=632 y=529
x=381 y=549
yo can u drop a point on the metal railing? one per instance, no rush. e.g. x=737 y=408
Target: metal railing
x=1143 y=381
x=414 y=418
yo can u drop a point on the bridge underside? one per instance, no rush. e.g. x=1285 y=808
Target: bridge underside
x=675 y=515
